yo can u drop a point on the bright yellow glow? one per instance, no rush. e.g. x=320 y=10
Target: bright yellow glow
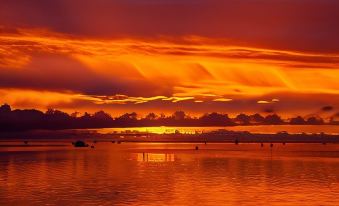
x=222 y=100
x=263 y=102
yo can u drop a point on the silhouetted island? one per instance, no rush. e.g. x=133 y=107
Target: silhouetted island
x=32 y=119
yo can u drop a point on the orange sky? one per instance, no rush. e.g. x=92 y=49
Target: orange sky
x=44 y=63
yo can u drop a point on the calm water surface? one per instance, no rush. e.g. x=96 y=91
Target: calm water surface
x=170 y=174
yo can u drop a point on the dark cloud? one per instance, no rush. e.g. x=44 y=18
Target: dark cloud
x=283 y=24
x=60 y=73
x=327 y=108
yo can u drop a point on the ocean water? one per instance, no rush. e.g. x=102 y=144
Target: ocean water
x=170 y=174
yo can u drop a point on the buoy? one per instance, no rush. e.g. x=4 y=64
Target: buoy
x=271 y=145
x=92 y=147
x=196 y=147
x=236 y=141
x=262 y=145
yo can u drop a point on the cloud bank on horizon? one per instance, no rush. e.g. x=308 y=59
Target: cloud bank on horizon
x=162 y=56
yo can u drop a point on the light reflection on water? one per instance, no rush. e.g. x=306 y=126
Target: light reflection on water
x=154 y=157
x=171 y=174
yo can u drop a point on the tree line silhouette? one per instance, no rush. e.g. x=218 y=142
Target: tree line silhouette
x=29 y=119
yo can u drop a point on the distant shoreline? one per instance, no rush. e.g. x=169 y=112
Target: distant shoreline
x=38 y=143
x=192 y=136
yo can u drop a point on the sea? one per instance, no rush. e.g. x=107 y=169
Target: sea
x=56 y=173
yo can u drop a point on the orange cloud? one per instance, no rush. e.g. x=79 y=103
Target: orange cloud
x=222 y=100
x=138 y=71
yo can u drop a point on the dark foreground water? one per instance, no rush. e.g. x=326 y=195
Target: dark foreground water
x=170 y=174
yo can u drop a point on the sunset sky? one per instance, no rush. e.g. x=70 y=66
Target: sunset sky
x=165 y=55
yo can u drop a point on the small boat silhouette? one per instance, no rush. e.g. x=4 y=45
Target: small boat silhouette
x=80 y=143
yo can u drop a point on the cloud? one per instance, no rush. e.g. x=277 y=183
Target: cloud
x=268 y=101
x=327 y=108
x=60 y=73
x=123 y=66
x=290 y=104
x=307 y=25
x=136 y=74
x=222 y=100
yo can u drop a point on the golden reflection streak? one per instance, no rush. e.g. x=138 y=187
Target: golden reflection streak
x=155 y=157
